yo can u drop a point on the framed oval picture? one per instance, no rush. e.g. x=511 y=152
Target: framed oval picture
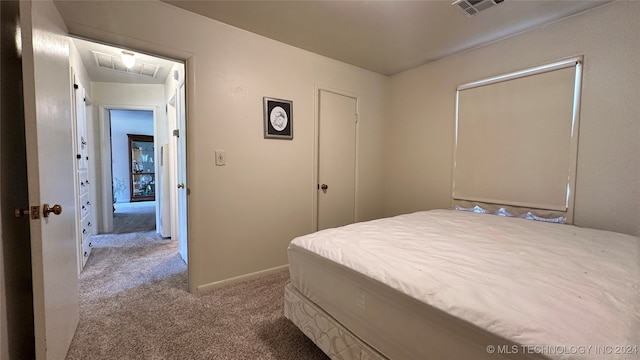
x=278 y=118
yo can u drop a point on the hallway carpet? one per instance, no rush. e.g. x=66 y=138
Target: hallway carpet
x=134 y=217
x=134 y=305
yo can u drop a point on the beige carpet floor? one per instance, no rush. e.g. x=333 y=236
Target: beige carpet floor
x=134 y=217
x=134 y=305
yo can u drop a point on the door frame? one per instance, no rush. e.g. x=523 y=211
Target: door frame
x=106 y=225
x=316 y=150
x=174 y=54
x=188 y=83
x=180 y=209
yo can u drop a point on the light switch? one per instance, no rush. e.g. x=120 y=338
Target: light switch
x=221 y=158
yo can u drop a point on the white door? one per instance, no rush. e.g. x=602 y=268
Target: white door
x=336 y=159
x=50 y=172
x=181 y=159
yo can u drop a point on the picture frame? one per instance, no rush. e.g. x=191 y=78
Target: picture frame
x=278 y=118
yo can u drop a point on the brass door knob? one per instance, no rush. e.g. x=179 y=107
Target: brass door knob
x=46 y=210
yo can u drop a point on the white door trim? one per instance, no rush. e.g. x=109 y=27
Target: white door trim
x=316 y=151
x=170 y=52
x=189 y=112
x=181 y=173
x=106 y=224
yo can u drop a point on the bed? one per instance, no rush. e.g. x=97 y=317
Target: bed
x=447 y=284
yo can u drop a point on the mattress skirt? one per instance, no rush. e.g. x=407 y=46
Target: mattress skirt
x=391 y=323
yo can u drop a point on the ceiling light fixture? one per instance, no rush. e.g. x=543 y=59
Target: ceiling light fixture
x=128 y=59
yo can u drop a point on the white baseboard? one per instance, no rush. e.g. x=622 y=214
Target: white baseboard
x=218 y=284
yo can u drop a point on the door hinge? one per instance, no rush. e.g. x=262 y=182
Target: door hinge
x=176 y=132
x=357 y=117
x=75 y=86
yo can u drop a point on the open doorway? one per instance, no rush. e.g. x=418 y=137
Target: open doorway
x=137 y=183
x=133 y=171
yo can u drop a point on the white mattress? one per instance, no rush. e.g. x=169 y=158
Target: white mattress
x=447 y=284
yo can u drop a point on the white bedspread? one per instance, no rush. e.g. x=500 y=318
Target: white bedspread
x=574 y=290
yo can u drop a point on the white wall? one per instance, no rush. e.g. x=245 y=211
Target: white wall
x=124 y=122
x=234 y=228
x=420 y=132
x=119 y=96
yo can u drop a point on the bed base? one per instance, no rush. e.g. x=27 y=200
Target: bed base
x=328 y=334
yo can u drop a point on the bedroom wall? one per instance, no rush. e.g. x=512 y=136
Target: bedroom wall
x=242 y=216
x=420 y=132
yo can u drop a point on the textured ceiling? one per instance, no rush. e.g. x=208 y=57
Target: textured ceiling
x=384 y=36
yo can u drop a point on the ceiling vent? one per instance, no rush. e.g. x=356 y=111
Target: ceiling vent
x=114 y=62
x=472 y=7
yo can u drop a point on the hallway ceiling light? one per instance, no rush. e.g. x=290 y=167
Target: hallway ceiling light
x=117 y=63
x=128 y=59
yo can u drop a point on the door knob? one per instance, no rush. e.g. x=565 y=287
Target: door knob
x=181 y=186
x=324 y=187
x=46 y=210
